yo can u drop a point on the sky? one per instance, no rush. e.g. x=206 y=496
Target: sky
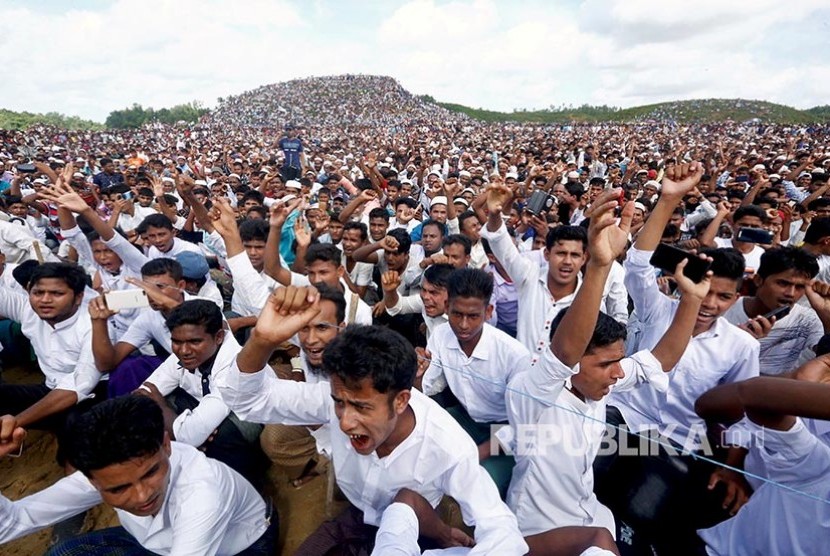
x=89 y=57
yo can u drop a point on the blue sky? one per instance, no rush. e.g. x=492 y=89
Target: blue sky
x=100 y=55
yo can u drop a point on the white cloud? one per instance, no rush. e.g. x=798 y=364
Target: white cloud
x=484 y=53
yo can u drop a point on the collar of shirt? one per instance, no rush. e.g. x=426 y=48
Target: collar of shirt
x=482 y=349
x=543 y=280
x=70 y=322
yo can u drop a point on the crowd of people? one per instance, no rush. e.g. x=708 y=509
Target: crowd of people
x=595 y=339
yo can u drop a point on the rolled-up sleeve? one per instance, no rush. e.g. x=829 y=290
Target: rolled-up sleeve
x=640 y=368
x=85 y=377
x=641 y=283
x=195 y=426
x=519 y=268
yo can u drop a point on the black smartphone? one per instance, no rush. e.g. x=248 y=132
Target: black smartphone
x=667 y=258
x=778 y=313
x=26 y=168
x=755 y=235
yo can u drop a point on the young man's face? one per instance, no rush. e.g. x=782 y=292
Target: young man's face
x=467 y=316
x=351 y=240
x=392 y=193
x=599 y=370
x=438 y=213
x=255 y=248
x=193 y=345
x=105 y=257
x=471 y=228
x=53 y=300
x=160 y=238
x=137 y=486
x=250 y=203
x=434 y=298
x=784 y=288
x=19 y=210
x=431 y=238
x=326 y=272
x=456 y=255
x=377 y=228
x=367 y=416
x=319 y=332
x=565 y=259
x=397 y=261
x=145 y=200
x=335 y=231
x=168 y=287
x=723 y=293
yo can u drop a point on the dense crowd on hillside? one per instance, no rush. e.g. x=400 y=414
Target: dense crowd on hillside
x=596 y=339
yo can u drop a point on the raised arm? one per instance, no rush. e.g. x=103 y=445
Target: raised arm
x=273 y=265
x=606 y=241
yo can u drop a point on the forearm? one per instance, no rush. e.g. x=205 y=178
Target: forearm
x=54 y=402
x=255 y=354
x=349 y=209
x=494 y=221
x=649 y=237
x=366 y=253
x=707 y=238
x=574 y=332
x=273 y=265
x=103 y=351
x=102 y=228
x=673 y=344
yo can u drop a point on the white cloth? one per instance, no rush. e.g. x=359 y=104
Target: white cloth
x=775 y=521
x=363 y=313
x=615 y=295
x=479 y=381
x=413 y=304
x=555 y=437
x=179 y=246
x=791 y=341
x=398 y=535
x=195 y=426
x=437 y=458
x=722 y=354
x=64 y=352
x=209 y=509
x=150 y=325
x=17 y=244
x=752 y=259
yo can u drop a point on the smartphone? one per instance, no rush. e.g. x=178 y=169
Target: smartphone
x=127 y=195
x=667 y=258
x=755 y=235
x=778 y=313
x=126 y=299
x=26 y=168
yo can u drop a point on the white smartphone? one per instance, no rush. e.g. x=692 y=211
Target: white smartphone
x=126 y=299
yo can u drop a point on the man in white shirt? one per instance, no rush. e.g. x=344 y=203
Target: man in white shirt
x=718 y=352
x=476 y=361
x=430 y=301
x=169 y=497
x=543 y=291
x=782 y=417
x=557 y=408
x=163 y=283
x=53 y=320
x=162 y=239
x=747 y=216
x=786 y=341
x=184 y=385
x=385 y=435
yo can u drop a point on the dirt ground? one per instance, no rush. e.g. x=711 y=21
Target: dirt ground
x=301 y=510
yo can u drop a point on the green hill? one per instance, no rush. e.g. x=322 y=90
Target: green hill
x=686 y=111
x=22 y=120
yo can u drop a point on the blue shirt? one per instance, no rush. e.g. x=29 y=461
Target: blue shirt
x=292 y=149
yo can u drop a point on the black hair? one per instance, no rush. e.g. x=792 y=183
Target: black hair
x=105 y=161
x=403 y=238
x=820 y=203
x=22 y=273
x=335 y=296
x=818 y=230
x=773 y=203
x=325 y=252
x=782 y=259
x=359 y=226
x=458 y=239
x=161 y=266
x=429 y=222
x=371 y=352
x=575 y=189
x=115 y=431
x=72 y=274
x=363 y=184
x=379 y=212
x=146 y=192
x=408 y=201
x=253 y=194
x=735 y=194
x=198 y=312
x=566 y=233
x=749 y=210
x=263 y=212
x=606 y=332
x=727 y=262
x=464 y=216
x=439 y=275
x=253 y=230
x=471 y=282
x=156 y=221
x=596 y=180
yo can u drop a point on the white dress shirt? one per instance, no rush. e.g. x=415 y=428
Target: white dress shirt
x=363 y=313
x=751 y=259
x=615 y=296
x=776 y=521
x=64 y=352
x=555 y=437
x=179 y=246
x=150 y=325
x=398 y=535
x=437 y=458
x=195 y=426
x=17 y=243
x=479 y=381
x=537 y=307
x=209 y=509
x=722 y=354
